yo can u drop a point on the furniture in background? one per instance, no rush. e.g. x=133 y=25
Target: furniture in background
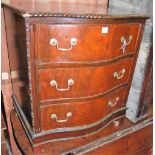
x=6 y=85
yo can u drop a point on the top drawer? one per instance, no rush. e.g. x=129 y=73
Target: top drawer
x=79 y=43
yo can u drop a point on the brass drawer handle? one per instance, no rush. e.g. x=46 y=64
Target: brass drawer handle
x=120 y=74
x=54 y=42
x=54 y=83
x=125 y=43
x=54 y=116
x=116 y=123
x=111 y=104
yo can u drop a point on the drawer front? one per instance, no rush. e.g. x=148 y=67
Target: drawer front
x=69 y=83
x=81 y=113
x=69 y=43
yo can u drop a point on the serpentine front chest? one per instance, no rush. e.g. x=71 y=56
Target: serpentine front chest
x=71 y=73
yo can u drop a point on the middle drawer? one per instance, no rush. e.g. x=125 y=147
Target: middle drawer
x=68 y=83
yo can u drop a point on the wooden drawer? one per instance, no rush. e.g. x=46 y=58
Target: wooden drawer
x=94 y=42
x=68 y=83
x=81 y=113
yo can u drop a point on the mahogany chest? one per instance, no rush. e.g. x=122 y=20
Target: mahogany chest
x=71 y=71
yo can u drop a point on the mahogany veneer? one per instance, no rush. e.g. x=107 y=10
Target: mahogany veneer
x=83 y=87
x=86 y=49
x=82 y=116
x=71 y=71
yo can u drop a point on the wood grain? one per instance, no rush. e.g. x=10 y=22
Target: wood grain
x=132 y=143
x=88 y=81
x=100 y=46
x=82 y=112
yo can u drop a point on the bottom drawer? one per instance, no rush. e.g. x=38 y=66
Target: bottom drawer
x=86 y=113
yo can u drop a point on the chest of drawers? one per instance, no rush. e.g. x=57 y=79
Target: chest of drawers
x=71 y=73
